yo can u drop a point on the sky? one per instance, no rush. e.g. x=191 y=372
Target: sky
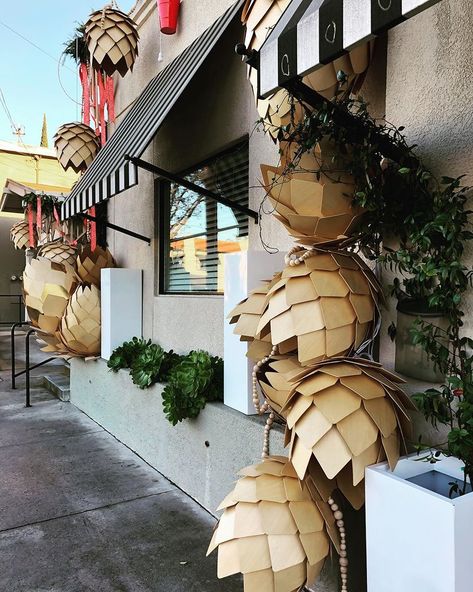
x=29 y=79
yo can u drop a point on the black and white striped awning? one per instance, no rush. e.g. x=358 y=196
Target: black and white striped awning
x=109 y=173
x=312 y=33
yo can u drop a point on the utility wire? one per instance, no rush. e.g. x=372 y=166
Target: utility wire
x=33 y=44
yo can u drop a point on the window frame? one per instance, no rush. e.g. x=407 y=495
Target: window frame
x=162 y=193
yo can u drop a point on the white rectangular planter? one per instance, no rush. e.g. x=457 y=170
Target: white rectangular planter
x=417 y=540
x=243 y=272
x=121 y=307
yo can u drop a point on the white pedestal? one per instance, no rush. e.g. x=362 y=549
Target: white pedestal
x=417 y=540
x=243 y=272
x=122 y=307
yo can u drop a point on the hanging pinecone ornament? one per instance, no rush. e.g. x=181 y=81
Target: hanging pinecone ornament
x=271 y=530
x=19 y=235
x=59 y=252
x=112 y=39
x=311 y=195
x=342 y=415
x=90 y=263
x=80 y=325
x=47 y=287
x=76 y=146
x=321 y=305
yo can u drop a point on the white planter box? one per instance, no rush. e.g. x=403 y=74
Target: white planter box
x=243 y=272
x=417 y=540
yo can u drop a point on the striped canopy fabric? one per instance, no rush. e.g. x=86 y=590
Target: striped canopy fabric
x=109 y=173
x=312 y=33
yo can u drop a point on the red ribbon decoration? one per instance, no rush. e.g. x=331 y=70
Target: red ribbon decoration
x=39 y=218
x=86 y=100
x=110 y=93
x=31 y=225
x=102 y=102
x=93 y=230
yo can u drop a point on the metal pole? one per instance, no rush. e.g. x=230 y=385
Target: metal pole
x=192 y=186
x=115 y=227
x=13 y=353
x=27 y=367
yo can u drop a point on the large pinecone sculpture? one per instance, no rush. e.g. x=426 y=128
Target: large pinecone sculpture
x=76 y=146
x=271 y=530
x=19 y=235
x=47 y=287
x=112 y=39
x=342 y=415
x=312 y=195
x=59 y=252
x=90 y=263
x=80 y=325
x=324 y=307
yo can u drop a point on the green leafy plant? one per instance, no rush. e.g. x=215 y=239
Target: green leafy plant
x=193 y=380
x=198 y=378
x=76 y=46
x=123 y=356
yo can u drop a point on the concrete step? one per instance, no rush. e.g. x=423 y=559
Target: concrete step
x=58 y=383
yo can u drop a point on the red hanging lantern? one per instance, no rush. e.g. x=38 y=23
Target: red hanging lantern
x=168 y=15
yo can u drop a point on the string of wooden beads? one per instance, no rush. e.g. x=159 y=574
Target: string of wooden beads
x=292 y=260
x=343 y=560
x=260 y=409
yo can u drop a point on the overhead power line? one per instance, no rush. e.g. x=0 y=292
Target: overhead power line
x=33 y=44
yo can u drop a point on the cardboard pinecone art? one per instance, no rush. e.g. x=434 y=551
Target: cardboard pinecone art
x=326 y=306
x=59 y=252
x=259 y=18
x=90 y=263
x=19 y=235
x=112 y=39
x=313 y=199
x=76 y=146
x=47 y=287
x=271 y=530
x=342 y=415
x=80 y=325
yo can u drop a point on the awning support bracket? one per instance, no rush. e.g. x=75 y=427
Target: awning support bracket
x=192 y=186
x=140 y=237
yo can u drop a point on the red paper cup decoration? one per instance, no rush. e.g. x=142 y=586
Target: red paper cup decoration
x=168 y=15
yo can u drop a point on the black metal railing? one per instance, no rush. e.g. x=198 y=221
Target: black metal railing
x=25 y=325
x=17 y=302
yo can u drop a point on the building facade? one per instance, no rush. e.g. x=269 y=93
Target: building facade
x=419 y=81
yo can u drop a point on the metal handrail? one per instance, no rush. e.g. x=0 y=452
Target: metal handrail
x=20 y=308
x=28 y=368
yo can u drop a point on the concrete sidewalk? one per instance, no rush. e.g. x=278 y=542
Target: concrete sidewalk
x=81 y=512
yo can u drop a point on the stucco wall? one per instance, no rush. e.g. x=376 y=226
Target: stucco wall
x=429 y=91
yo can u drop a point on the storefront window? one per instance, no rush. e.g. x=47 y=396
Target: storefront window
x=197 y=231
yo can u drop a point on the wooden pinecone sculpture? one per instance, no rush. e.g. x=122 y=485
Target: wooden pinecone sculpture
x=271 y=530
x=80 y=325
x=312 y=196
x=47 y=287
x=90 y=263
x=19 y=235
x=342 y=415
x=112 y=39
x=76 y=146
x=59 y=252
x=326 y=306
